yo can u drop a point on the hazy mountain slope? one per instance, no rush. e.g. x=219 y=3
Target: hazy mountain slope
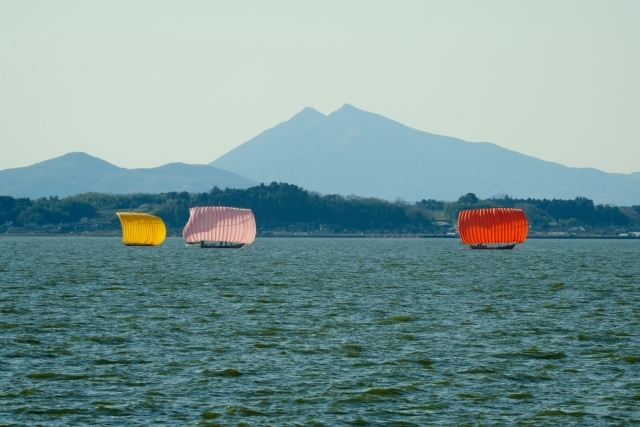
x=352 y=151
x=76 y=173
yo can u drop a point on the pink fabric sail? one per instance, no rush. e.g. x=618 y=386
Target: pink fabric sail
x=220 y=224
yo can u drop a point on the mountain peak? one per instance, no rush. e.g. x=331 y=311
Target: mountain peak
x=77 y=154
x=349 y=107
x=307 y=117
x=77 y=158
x=353 y=116
x=78 y=172
x=348 y=110
x=308 y=113
x=354 y=151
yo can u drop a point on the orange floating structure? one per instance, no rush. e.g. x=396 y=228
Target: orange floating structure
x=493 y=228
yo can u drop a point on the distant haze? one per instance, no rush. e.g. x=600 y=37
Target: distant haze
x=145 y=83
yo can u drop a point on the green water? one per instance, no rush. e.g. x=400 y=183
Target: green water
x=319 y=332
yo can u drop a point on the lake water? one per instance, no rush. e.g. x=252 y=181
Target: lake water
x=319 y=332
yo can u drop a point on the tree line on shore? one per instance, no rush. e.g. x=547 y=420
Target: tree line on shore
x=286 y=203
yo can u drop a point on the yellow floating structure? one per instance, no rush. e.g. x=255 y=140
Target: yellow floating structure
x=141 y=229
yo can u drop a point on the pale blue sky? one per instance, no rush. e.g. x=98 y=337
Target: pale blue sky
x=142 y=83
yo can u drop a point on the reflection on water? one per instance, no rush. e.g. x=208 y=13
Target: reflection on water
x=319 y=332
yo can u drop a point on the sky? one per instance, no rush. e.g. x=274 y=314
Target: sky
x=145 y=83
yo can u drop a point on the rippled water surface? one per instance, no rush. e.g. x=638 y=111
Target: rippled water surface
x=319 y=332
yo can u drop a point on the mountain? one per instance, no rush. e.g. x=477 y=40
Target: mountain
x=351 y=151
x=76 y=173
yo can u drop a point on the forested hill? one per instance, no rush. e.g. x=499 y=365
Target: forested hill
x=283 y=205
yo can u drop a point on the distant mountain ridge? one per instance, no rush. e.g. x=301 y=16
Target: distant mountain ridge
x=78 y=172
x=351 y=151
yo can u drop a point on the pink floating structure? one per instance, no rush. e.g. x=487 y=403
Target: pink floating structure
x=220 y=227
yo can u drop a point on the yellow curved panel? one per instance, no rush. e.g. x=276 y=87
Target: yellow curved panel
x=141 y=229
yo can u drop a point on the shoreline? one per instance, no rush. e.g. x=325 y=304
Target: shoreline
x=334 y=236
